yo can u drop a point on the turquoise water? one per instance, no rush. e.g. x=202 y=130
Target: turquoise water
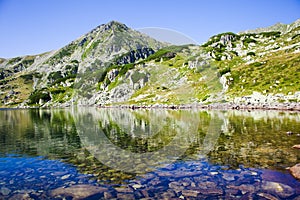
x=90 y=153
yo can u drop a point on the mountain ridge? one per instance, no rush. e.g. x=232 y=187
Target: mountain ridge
x=113 y=64
x=284 y=28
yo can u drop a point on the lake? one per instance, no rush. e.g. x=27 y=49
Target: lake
x=98 y=153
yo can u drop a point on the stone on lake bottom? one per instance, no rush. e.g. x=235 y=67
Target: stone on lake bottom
x=65 y=177
x=212 y=191
x=244 y=188
x=5 y=191
x=282 y=190
x=108 y=195
x=125 y=196
x=124 y=190
x=20 y=196
x=137 y=186
x=77 y=191
x=190 y=193
x=267 y=196
x=168 y=194
x=228 y=177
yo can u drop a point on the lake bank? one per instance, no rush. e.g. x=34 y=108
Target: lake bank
x=217 y=106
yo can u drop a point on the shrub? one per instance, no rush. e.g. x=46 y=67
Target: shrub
x=251 y=54
x=249 y=40
x=39 y=94
x=271 y=34
x=63 y=79
x=14 y=60
x=55 y=75
x=224 y=71
x=295 y=36
x=125 y=68
x=257 y=64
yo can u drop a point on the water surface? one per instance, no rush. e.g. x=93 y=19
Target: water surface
x=132 y=154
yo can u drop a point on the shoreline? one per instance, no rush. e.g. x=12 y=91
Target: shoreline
x=214 y=106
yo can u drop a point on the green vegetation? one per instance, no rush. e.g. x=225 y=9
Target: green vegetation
x=38 y=95
x=247 y=41
x=29 y=77
x=224 y=71
x=295 y=36
x=55 y=75
x=90 y=48
x=14 y=60
x=250 y=53
x=125 y=68
x=275 y=74
x=64 y=52
x=275 y=34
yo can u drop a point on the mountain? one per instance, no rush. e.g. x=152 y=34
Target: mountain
x=283 y=28
x=114 y=64
x=51 y=73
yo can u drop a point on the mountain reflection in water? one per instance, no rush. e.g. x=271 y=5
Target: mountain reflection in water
x=148 y=153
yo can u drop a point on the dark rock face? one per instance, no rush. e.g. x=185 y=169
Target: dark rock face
x=82 y=42
x=115 y=25
x=18 y=68
x=5 y=73
x=135 y=55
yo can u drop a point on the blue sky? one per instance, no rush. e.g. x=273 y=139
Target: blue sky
x=35 y=26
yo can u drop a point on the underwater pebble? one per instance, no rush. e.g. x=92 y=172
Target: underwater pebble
x=5 y=191
x=267 y=196
x=108 y=195
x=190 y=193
x=125 y=196
x=65 y=177
x=228 y=177
x=137 y=186
x=254 y=173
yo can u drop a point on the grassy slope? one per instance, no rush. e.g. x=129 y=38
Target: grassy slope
x=276 y=73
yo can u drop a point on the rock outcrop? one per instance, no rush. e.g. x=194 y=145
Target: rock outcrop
x=295 y=171
x=135 y=55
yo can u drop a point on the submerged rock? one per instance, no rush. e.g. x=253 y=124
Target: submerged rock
x=78 y=191
x=295 y=171
x=5 y=191
x=282 y=190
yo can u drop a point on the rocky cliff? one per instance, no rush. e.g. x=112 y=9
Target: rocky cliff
x=113 y=64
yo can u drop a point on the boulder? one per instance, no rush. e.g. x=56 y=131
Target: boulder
x=78 y=191
x=295 y=171
x=275 y=188
x=297 y=146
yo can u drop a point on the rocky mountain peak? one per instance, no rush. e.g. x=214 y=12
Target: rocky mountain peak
x=115 y=25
